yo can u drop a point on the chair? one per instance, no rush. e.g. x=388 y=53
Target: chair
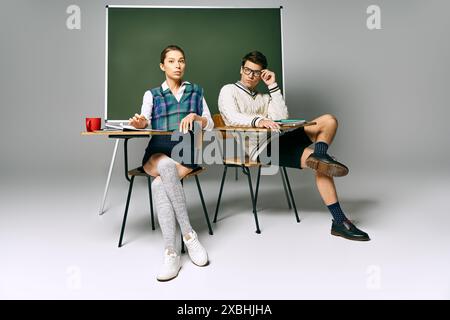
x=139 y=172
x=245 y=164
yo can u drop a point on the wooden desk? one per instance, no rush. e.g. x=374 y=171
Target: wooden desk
x=125 y=135
x=245 y=163
x=227 y=130
x=251 y=129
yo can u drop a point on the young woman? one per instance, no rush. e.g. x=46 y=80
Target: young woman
x=175 y=105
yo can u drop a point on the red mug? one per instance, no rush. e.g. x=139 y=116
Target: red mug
x=93 y=124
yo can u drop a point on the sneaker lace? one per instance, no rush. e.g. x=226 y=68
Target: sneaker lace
x=194 y=244
x=170 y=258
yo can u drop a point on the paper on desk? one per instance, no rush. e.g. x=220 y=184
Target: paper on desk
x=127 y=127
x=113 y=126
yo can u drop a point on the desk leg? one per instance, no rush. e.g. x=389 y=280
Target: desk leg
x=109 y=177
x=125 y=153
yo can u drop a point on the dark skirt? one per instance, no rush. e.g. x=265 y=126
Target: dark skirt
x=291 y=147
x=164 y=144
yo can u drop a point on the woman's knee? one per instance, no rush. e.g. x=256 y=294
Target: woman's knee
x=157 y=182
x=154 y=159
x=150 y=169
x=165 y=163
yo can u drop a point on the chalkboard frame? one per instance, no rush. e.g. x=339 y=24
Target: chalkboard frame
x=107 y=7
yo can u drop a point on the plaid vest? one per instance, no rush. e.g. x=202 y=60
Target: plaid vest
x=167 y=112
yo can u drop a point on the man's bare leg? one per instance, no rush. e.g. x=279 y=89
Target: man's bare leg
x=323 y=134
x=324 y=130
x=325 y=184
x=341 y=226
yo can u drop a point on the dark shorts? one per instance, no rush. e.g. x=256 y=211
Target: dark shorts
x=291 y=147
x=164 y=144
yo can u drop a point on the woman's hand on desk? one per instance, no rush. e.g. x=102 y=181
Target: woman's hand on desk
x=138 y=121
x=188 y=122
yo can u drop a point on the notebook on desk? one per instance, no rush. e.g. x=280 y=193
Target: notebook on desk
x=126 y=127
x=290 y=122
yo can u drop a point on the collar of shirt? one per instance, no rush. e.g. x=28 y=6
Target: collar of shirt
x=180 y=92
x=243 y=87
x=165 y=86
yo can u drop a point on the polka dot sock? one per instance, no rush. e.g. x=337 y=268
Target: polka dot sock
x=337 y=213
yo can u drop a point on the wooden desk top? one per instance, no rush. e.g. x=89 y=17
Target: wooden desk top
x=124 y=133
x=282 y=128
x=223 y=128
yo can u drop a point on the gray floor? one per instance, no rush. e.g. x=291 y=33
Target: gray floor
x=55 y=245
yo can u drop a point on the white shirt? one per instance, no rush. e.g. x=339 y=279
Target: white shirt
x=147 y=105
x=241 y=107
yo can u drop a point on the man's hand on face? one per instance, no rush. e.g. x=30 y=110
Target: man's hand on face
x=268 y=77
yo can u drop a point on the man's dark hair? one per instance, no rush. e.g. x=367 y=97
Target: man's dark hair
x=255 y=57
x=171 y=47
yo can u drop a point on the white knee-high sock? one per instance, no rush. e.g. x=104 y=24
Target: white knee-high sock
x=174 y=190
x=166 y=215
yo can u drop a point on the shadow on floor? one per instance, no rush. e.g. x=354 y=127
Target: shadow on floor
x=307 y=200
x=271 y=200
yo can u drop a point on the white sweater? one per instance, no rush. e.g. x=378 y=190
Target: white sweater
x=242 y=107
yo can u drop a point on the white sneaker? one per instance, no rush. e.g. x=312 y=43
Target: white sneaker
x=170 y=268
x=196 y=251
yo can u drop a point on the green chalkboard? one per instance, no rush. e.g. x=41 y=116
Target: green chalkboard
x=214 y=41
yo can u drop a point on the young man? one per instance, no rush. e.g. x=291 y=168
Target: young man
x=241 y=105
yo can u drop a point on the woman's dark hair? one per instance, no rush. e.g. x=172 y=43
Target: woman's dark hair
x=171 y=47
x=255 y=57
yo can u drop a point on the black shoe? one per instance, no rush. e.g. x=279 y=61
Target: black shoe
x=325 y=164
x=348 y=230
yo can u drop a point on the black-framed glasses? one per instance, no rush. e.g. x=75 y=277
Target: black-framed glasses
x=248 y=71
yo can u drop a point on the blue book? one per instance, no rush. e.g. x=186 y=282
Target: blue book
x=290 y=122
